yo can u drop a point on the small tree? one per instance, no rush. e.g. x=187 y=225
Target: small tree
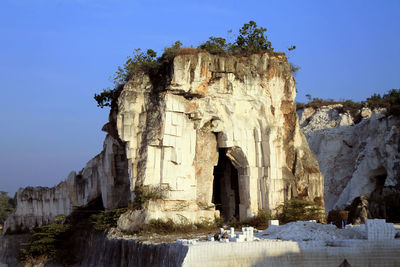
x=7 y=205
x=46 y=240
x=299 y=210
x=215 y=45
x=139 y=60
x=251 y=39
x=170 y=52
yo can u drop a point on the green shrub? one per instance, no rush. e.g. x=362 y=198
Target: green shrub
x=46 y=240
x=215 y=45
x=170 y=52
x=168 y=226
x=299 y=210
x=251 y=39
x=106 y=219
x=390 y=101
x=353 y=108
x=138 y=61
x=7 y=205
x=107 y=97
x=145 y=193
x=294 y=68
x=259 y=221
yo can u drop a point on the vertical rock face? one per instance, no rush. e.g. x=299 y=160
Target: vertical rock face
x=209 y=108
x=357 y=160
x=217 y=135
x=105 y=177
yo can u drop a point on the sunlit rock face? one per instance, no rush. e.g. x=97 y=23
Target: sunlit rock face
x=217 y=135
x=220 y=135
x=360 y=159
x=105 y=177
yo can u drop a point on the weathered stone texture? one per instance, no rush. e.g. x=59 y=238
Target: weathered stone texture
x=242 y=104
x=357 y=160
x=168 y=129
x=104 y=176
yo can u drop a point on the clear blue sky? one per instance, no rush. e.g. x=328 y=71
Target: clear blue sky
x=56 y=54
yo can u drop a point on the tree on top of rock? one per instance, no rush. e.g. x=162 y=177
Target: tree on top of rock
x=251 y=39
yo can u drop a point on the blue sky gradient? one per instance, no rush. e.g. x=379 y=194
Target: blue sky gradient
x=55 y=54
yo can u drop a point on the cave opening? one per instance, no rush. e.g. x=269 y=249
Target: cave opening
x=377 y=201
x=226 y=187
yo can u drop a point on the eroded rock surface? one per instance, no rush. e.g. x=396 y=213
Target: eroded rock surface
x=105 y=177
x=218 y=134
x=360 y=159
x=210 y=107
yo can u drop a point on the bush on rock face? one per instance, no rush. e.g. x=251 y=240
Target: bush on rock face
x=299 y=210
x=7 y=205
x=106 y=219
x=46 y=240
x=251 y=39
x=390 y=101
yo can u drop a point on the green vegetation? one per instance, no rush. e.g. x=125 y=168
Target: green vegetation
x=294 y=69
x=106 y=219
x=260 y=221
x=251 y=39
x=46 y=241
x=53 y=242
x=145 y=193
x=7 y=205
x=165 y=227
x=299 y=210
x=390 y=101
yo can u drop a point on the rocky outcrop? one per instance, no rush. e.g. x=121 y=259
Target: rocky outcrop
x=357 y=159
x=208 y=108
x=215 y=134
x=105 y=177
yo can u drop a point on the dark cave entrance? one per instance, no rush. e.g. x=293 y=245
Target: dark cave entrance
x=226 y=187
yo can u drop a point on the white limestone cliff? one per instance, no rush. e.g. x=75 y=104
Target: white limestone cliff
x=239 y=106
x=104 y=177
x=361 y=159
x=216 y=134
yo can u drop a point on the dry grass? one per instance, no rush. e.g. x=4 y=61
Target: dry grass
x=190 y=51
x=316 y=105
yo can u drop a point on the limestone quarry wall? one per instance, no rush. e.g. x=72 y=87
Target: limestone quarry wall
x=99 y=250
x=105 y=177
x=288 y=253
x=174 y=130
x=170 y=129
x=357 y=159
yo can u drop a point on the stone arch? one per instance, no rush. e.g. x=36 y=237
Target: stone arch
x=236 y=163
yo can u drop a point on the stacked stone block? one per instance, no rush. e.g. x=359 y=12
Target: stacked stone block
x=378 y=229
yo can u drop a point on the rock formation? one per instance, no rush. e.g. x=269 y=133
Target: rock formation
x=357 y=159
x=105 y=177
x=234 y=116
x=214 y=134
